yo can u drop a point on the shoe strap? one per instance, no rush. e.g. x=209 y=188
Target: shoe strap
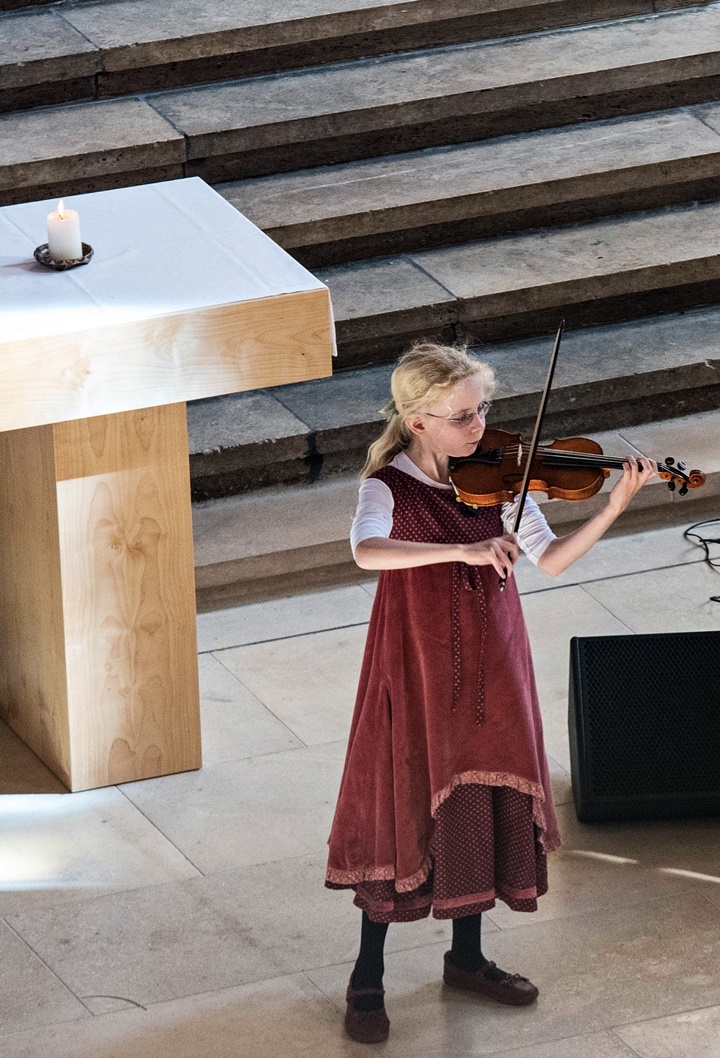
x=507 y=977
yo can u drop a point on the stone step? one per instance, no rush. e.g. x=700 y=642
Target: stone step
x=43 y=60
x=443 y=195
x=447 y=95
x=519 y=285
x=94 y=50
x=61 y=151
x=371 y=107
x=279 y=541
x=17 y=5
x=629 y=373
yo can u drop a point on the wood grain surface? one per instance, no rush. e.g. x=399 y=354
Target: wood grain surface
x=100 y=510
x=162 y=360
x=33 y=685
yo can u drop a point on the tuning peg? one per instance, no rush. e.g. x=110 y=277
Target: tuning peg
x=681 y=466
x=683 y=490
x=671 y=486
x=669 y=460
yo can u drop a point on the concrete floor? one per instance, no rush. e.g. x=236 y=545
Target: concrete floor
x=185 y=916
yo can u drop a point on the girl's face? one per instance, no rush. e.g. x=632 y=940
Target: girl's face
x=455 y=423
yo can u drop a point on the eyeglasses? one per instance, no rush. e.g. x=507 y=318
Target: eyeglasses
x=464 y=420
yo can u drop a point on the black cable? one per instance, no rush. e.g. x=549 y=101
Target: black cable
x=704 y=542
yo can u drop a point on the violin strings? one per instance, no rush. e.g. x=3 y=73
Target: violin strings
x=592 y=457
x=612 y=463
x=570 y=458
x=556 y=455
x=584 y=460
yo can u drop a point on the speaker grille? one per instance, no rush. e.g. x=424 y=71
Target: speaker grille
x=652 y=713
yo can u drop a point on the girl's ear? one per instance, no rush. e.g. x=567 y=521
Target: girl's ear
x=415 y=424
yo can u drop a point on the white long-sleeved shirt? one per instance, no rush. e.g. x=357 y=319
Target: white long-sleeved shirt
x=374 y=514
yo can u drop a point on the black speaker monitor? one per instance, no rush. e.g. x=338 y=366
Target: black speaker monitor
x=644 y=720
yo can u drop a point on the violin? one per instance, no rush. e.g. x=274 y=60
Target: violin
x=570 y=469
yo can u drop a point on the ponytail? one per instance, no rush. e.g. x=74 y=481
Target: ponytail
x=394 y=438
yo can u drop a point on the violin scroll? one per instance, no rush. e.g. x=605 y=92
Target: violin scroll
x=676 y=473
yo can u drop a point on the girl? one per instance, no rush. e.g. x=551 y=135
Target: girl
x=445 y=800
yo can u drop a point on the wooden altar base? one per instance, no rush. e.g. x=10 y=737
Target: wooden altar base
x=98 y=671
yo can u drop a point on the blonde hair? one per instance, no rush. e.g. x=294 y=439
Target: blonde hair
x=426 y=371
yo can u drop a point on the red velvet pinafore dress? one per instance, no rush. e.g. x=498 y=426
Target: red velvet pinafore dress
x=445 y=800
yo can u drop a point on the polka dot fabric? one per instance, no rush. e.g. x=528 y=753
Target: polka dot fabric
x=445 y=804
x=484 y=848
x=428 y=515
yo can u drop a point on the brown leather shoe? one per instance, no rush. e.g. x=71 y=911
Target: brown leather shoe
x=365 y=1026
x=513 y=989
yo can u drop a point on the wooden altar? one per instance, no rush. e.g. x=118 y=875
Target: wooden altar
x=184 y=299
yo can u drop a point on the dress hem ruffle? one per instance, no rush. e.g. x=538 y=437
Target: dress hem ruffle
x=423 y=906
x=485 y=778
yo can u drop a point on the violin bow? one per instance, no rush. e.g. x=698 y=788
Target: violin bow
x=536 y=435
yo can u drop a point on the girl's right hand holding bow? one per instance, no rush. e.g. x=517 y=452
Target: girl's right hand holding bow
x=499 y=551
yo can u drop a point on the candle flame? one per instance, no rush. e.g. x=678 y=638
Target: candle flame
x=60 y=209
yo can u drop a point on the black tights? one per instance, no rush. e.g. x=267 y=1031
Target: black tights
x=370 y=965
x=466 y=954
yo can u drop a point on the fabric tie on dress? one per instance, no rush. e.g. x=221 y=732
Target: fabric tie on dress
x=471 y=580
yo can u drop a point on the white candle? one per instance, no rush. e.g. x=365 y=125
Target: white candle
x=63 y=231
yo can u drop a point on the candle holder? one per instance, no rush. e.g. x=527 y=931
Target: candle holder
x=42 y=256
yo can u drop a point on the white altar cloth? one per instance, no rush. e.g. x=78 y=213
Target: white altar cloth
x=159 y=249
x=184 y=298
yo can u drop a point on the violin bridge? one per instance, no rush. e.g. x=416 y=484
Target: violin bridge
x=519 y=461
